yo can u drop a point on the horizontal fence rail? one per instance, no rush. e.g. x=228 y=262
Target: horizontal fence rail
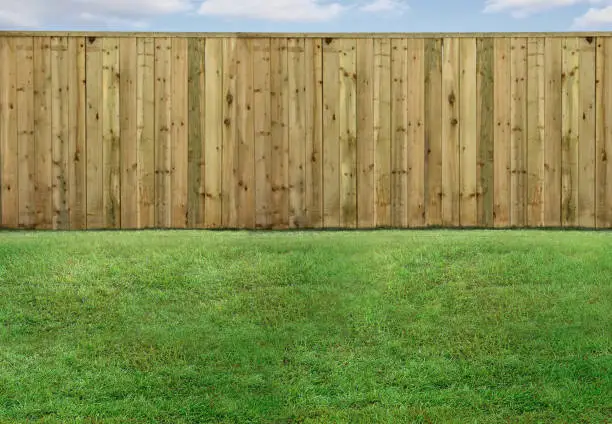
x=102 y=131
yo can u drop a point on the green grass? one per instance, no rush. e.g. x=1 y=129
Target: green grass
x=390 y=326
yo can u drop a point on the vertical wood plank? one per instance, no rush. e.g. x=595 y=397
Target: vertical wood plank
x=366 y=148
x=9 y=171
x=433 y=131
x=331 y=132
x=468 y=134
x=24 y=47
x=586 y=135
x=145 y=105
x=111 y=132
x=502 y=132
x=245 y=189
x=77 y=147
x=43 y=132
x=485 y=128
x=60 y=128
x=213 y=139
x=230 y=145
x=416 y=133
x=314 y=131
x=179 y=123
x=399 y=127
x=552 y=131
x=382 y=130
x=347 y=108
x=163 y=134
x=450 y=133
x=263 y=139
x=571 y=130
x=297 y=132
x=94 y=149
x=536 y=84
x=518 y=133
x=128 y=109
x=197 y=129
x=604 y=132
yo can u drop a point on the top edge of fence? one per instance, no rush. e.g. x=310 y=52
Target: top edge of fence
x=301 y=35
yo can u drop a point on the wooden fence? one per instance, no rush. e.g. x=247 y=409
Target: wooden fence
x=282 y=131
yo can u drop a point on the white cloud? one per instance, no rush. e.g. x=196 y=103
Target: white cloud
x=35 y=13
x=273 y=10
x=595 y=18
x=523 y=8
x=398 y=6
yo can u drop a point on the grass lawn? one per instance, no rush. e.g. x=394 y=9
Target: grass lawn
x=313 y=327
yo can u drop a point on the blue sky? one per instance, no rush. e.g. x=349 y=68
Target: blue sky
x=307 y=15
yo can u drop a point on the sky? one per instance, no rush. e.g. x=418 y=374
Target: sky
x=307 y=15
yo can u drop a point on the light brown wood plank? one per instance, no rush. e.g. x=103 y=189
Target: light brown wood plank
x=213 y=138
x=94 y=115
x=366 y=147
x=571 y=115
x=502 y=132
x=128 y=109
x=230 y=133
x=145 y=105
x=163 y=132
x=433 y=131
x=61 y=134
x=416 y=133
x=399 y=133
x=263 y=135
x=485 y=128
x=536 y=84
x=24 y=47
x=314 y=131
x=179 y=122
x=43 y=135
x=586 y=135
x=77 y=135
x=111 y=133
x=604 y=132
x=9 y=170
x=552 y=132
x=382 y=130
x=451 y=115
x=297 y=132
x=468 y=133
x=518 y=133
x=197 y=129
x=331 y=133
x=347 y=108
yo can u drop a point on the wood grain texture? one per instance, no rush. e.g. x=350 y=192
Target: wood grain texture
x=552 y=131
x=382 y=130
x=433 y=131
x=536 y=83
x=213 y=139
x=571 y=130
x=604 y=132
x=366 y=147
x=331 y=133
x=347 y=114
x=9 y=170
x=502 y=133
x=314 y=131
x=196 y=130
x=451 y=121
x=230 y=136
x=586 y=135
x=24 y=54
x=485 y=127
x=399 y=133
x=43 y=135
x=163 y=133
x=518 y=132
x=145 y=150
x=468 y=130
x=179 y=122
